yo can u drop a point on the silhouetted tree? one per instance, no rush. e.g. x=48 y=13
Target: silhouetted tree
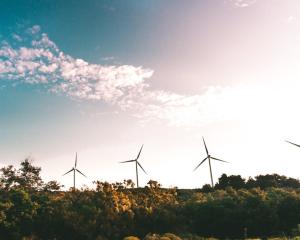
x=206 y=188
x=272 y=180
x=30 y=209
x=9 y=178
x=52 y=186
x=29 y=176
x=234 y=181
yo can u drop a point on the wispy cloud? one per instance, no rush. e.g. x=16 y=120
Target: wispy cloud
x=17 y=37
x=40 y=61
x=291 y=19
x=34 y=29
x=108 y=58
x=242 y=3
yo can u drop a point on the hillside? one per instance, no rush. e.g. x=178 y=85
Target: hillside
x=37 y=210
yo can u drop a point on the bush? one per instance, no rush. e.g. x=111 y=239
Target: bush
x=131 y=238
x=171 y=236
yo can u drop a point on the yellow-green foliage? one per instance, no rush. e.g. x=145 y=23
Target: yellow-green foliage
x=171 y=236
x=152 y=237
x=131 y=238
x=112 y=211
x=166 y=236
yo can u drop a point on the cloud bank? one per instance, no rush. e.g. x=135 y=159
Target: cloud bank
x=39 y=61
x=43 y=63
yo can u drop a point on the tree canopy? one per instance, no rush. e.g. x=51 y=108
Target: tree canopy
x=267 y=205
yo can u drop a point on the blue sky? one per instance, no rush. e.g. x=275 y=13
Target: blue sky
x=103 y=77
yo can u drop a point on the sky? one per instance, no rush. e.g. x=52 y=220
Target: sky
x=101 y=78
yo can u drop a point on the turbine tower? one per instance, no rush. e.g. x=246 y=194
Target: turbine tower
x=74 y=169
x=208 y=157
x=137 y=164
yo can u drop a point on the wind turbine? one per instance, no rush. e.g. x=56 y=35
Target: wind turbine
x=137 y=164
x=293 y=144
x=74 y=169
x=208 y=157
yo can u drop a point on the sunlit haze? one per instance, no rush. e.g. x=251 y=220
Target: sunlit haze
x=101 y=78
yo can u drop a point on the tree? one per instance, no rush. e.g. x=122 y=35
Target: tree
x=9 y=178
x=26 y=177
x=234 y=181
x=20 y=212
x=29 y=176
x=289 y=213
x=52 y=186
x=272 y=180
x=206 y=188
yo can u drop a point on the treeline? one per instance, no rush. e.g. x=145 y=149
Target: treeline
x=260 y=181
x=32 y=209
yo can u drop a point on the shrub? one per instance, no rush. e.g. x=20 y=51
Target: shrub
x=131 y=238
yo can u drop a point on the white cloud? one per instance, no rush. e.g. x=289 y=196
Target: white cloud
x=16 y=37
x=34 y=29
x=216 y=104
x=48 y=69
x=44 y=42
x=242 y=3
x=290 y=19
x=126 y=87
x=108 y=58
x=41 y=62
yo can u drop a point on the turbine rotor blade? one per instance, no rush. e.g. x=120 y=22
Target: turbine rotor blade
x=68 y=171
x=205 y=146
x=141 y=167
x=293 y=144
x=76 y=160
x=200 y=163
x=139 y=152
x=80 y=172
x=128 y=161
x=218 y=159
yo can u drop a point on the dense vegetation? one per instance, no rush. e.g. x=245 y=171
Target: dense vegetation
x=267 y=205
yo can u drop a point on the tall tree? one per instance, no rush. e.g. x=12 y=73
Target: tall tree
x=234 y=181
x=29 y=176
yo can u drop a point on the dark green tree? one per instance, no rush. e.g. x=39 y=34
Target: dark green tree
x=234 y=181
